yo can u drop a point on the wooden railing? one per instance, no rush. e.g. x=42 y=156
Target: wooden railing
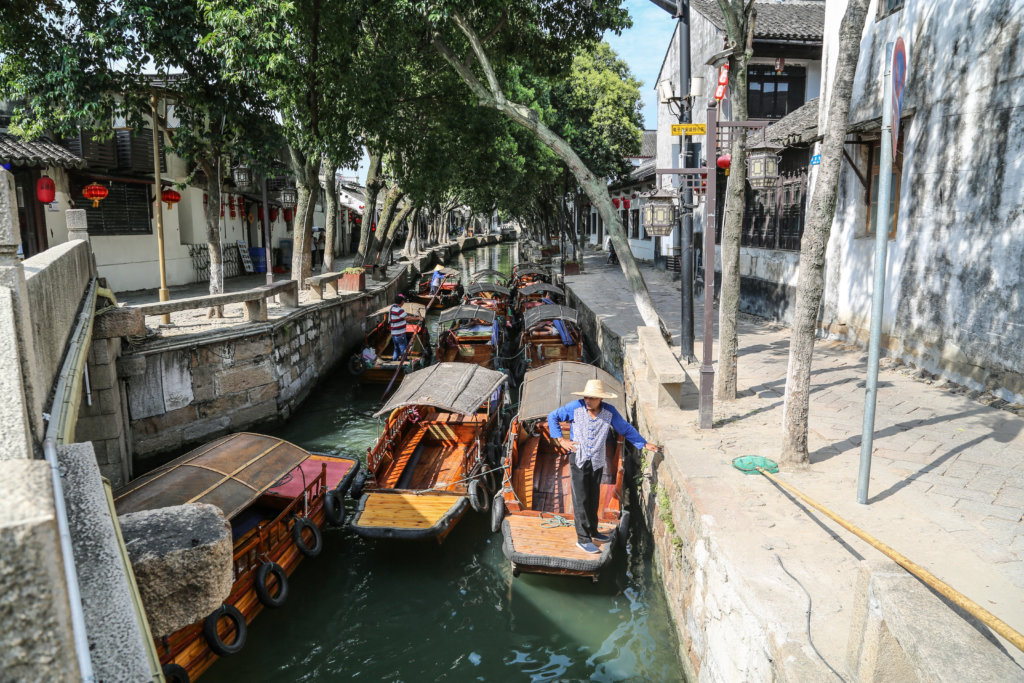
x=255 y=301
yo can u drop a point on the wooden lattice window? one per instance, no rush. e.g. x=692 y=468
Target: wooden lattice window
x=127 y=210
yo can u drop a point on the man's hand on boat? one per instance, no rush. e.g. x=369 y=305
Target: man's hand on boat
x=567 y=444
x=652 y=447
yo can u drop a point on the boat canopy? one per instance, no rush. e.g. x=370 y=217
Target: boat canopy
x=477 y=287
x=454 y=387
x=467 y=312
x=550 y=386
x=533 y=271
x=538 y=314
x=230 y=473
x=525 y=264
x=411 y=307
x=445 y=270
x=541 y=287
x=488 y=272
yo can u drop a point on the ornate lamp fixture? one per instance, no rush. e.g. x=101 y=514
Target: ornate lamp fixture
x=763 y=165
x=289 y=197
x=242 y=175
x=659 y=212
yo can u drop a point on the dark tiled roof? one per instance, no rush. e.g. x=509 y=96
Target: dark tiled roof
x=649 y=145
x=790 y=20
x=644 y=170
x=799 y=128
x=39 y=153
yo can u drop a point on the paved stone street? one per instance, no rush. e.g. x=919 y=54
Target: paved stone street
x=947 y=479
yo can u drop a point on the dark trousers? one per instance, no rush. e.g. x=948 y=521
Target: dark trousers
x=586 y=493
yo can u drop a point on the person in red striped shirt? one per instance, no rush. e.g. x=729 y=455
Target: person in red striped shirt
x=396 y=317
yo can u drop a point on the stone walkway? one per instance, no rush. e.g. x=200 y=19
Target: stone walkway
x=947 y=479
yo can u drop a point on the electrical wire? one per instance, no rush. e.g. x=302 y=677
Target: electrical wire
x=809 y=639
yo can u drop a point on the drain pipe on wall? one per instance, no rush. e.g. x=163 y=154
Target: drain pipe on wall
x=63 y=416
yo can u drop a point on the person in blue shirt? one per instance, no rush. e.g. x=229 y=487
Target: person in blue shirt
x=436 y=279
x=590 y=420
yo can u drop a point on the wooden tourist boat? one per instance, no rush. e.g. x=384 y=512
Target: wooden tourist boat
x=490 y=295
x=536 y=493
x=528 y=274
x=551 y=333
x=431 y=461
x=277 y=497
x=536 y=295
x=449 y=294
x=489 y=275
x=375 y=362
x=469 y=334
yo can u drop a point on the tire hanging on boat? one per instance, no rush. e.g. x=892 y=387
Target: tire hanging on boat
x=477 y=493
x=263 y=591
x=300 y=542
x=212 y=635
x=175 y=673
x=356 y=365
x=334 y=507
x=355 y=491
x=497 y=512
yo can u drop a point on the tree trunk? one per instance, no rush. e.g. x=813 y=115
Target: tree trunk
x=374 y=183
x=392 y=198
x=331 y=227
x=396 y=225
x=213 y=241
x=492 y=96
x=408 y=249
x=811 y=278
x=740 y=30
x=307 y=179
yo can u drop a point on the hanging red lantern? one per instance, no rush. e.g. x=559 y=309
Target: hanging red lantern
x=45 y=189
x=259 y=213
x=231 y=205
x=170 y=198
x=625 y=203
x=724 y=161
x=287 y=215
x=634 y=195
x=273 y=213
x=615 y=202
x=222 y=207
x=95 y=193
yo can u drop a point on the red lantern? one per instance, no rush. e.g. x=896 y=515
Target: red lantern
x=259 y=213
x=45 y=189
x=724 y=161
x=625 y=203
x=287 y=215
x=170 y=198
x=231 y=205
x=634 y=195
x=95 y=192
x=273 y=213
x=222 y=207
x=615 y=202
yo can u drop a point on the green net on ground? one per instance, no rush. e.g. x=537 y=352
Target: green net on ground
x=749 y=464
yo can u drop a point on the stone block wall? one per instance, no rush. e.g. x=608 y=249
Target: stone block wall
x=182 y=392
x=104 y=422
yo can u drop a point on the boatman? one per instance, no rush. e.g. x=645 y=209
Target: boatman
x=396 y=317
x=591 y=419
x=436 y=279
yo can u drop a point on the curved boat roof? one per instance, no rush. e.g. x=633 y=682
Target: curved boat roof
x=230 y=473
x=538 y=270
x=539 y=314
x=466 y=312
x=411 y=307
x=487 y=287
x=542 y=287
x=455 y=387
x=445 y=270
x=550 y=386
x=489 y=272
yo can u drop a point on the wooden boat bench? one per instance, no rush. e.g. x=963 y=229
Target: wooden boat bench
x=318 y=282
x=255 y=301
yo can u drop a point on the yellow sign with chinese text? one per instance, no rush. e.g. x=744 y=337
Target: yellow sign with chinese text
x=689 y=129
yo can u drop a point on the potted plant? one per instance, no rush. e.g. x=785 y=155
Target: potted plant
x=572 y=267
x=353 y=279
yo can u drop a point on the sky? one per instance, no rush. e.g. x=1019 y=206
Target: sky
x=643 y=47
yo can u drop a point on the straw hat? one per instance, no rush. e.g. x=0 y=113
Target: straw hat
x=438 y=267
x=595 y=389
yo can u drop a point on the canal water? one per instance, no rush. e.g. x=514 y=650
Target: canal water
x=401 y=611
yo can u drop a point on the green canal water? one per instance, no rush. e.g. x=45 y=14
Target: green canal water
x=401 y=611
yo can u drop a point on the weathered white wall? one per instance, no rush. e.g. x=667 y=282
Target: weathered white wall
x=954 y=299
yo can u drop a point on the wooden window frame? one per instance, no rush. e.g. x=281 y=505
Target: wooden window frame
x=874 y=152
x=123 y=196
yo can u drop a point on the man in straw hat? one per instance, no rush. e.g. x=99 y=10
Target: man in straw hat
x=590 y=422
x=436 y=279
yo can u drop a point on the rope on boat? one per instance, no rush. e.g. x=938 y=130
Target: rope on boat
x=556 y=521
x=457 y=481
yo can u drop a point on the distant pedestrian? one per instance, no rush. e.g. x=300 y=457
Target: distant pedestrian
x=396 y=319
x=436 y=279
x=591 y=420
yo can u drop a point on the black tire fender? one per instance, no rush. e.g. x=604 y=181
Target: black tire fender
x=263 y=592
x=497 y=512
x=175 y=673
x=355 y=365
x=334 y=508
x=300 y=542
x=355 y=491
x=212 y=636
x=477 y=493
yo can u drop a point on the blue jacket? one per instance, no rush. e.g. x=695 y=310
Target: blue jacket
x=619 y=424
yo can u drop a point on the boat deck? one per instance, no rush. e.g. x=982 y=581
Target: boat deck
x=529 y=537
x=405 y=510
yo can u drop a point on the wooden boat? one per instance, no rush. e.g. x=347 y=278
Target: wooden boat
x=469 y=334
x=490 y=295
x=375 y=362
x=537 y=295
x=449 y=294
x=525 y=274
x=551 y=333
x=277 y=497
x=536 y=489
x=431 y=461
x=489 y=275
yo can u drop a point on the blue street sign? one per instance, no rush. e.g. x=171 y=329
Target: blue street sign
x=815 y=160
